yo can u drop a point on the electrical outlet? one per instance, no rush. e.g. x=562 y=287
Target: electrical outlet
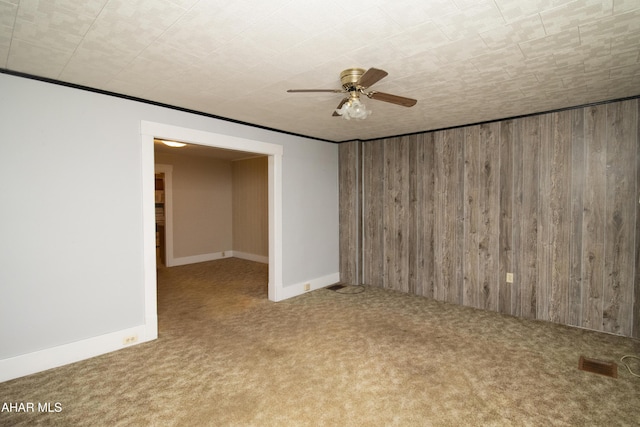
x=129 y=340
x=222 y=254
x=307 y=286
x=509 y=277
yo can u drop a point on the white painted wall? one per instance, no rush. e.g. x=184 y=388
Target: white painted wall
x=202 y=204
x=71 y=218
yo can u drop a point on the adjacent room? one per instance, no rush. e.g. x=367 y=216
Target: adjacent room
x=319 y=213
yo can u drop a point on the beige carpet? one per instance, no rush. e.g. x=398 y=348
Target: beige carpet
x=226 y=356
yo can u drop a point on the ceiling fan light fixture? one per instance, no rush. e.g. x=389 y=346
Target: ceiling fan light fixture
x=353 y=109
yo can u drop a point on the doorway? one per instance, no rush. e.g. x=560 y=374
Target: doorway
x=151 y=130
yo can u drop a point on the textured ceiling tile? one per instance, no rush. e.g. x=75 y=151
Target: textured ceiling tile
x=409 y=13
x=90 y=8
x=611 y=61
x=625 y=5
x=468 y=22
x=8 y=13
x=4 y=55
x=528 y=28
x=45 y=36
x=130 y=26
x=499 y=60
x=419 y=39
x=461 y=49
x=313 y=16
x=614 y=26
x=277 y=36
x=95 y=65
x=582 y=80
x=575 y=13
x=559 y=72
x=41 y=61
x=531 y=66
x=553 y=43
x=513 y=10
x=626 y=42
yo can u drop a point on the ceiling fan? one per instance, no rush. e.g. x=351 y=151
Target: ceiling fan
x=355 y=81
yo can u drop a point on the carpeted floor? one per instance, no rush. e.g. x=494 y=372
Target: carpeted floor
x=361 y=356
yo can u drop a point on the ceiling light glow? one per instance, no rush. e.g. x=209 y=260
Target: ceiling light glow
x=173 y=143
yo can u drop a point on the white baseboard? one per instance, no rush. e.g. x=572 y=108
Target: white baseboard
x=198 y=258
x=317 y=283
x=37 y=361
x=217 y=255
x=250 y=257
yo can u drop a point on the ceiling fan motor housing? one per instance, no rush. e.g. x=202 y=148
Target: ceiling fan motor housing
x=350 y=77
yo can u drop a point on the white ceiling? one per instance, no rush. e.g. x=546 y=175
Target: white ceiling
x=203 y=151
x=466 y=61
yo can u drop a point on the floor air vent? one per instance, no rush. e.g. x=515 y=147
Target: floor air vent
x=335 y=287
x=596 y=366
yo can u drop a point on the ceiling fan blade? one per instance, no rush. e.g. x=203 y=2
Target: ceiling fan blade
x=315 y=90
x=394 y=99
x=339 y=107
x=371 y=76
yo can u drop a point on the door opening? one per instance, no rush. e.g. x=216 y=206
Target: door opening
x=151 y=130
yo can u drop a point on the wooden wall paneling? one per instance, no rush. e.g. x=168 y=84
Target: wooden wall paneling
x=636 y=293
x=518 y=242
x=373 y=189
x=553 y=199
x=415 y=221
x=593 y=217
x=574 y=303
x=426 y=196
x=620 y=218
x=489 y=215
x=506 y=216
x=448 y=218
x=456 y=294
x=349 y=213
x=471 y=284
x=560 y=209
x=443 y=232
x=396 y=213
x=529 y=215
x=543 y=283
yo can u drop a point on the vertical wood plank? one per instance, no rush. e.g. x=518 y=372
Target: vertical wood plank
x=593 y=217
x=349 y=211
x=416 y=223
x=489 y=215
x=574 y=303
x=529 y=218
x=449 y=222
x=506 y=215
x=396 y=213
x=459 y=147
x=620 y=218
x=471 y=288
x=426 y=180
x=544 y=218
x=518 y=215
x=636 y=293
x=373 y=188
x=445 y=205
x=560 y=209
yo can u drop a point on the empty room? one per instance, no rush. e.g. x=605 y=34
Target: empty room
x=319 y=213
